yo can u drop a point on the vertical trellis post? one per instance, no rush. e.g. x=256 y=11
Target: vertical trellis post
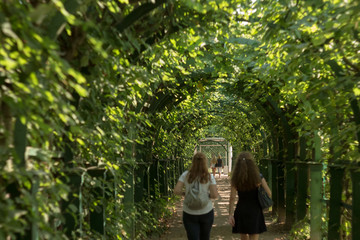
x=182 y=167
x=173 y=173
x=316 y=191
x=274 y=186
x=302 y=190
x=163 y=177
x=178 y=171
x=129 y=194
x=270 y=147
x=336 y=178
x=315 y=201
x=281 y=191
x=20 y=132
x=167 y=177
x=355 y=177
x=139 y=181
x=302 y=182
x=73 y=199
x=270 y=166
x=281 y=182
x=19 y=141
x=269 y=177
x=290 y=196
x=32 y=154
x=97 y=215
x=34 y=225
x=264 y=169
x=154 y=178
x=147 y=179
x=175 y=170
x=129 y=198
x=81 y=209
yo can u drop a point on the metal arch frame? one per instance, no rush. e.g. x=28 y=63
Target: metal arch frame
x=227 y=147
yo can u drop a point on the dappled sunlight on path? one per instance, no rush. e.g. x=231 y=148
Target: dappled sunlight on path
x=221 y=229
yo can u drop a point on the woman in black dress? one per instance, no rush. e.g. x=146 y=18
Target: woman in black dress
x=248 y=218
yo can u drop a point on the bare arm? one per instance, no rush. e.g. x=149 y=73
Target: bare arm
x=231 y=206
x=232 y=200
x=178 y=190
x=266 y=187
x=213 y=191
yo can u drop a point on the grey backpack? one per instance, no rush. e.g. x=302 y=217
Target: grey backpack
x=196 y=199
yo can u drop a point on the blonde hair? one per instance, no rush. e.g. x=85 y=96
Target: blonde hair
x=246 y=175
x=199 y=169
x=214 y=160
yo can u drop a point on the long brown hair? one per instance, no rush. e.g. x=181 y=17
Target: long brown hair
x=199 y=169
x=246 y=175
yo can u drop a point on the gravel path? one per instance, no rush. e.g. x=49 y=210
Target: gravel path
x=221 y=229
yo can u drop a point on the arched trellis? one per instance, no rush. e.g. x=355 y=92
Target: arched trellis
x=284 y=151
x=283 y=146
x=216 y=146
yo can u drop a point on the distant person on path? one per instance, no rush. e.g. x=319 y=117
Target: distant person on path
x=219 y=165
x=198 y=222
x=248 y=219
x=213 y=164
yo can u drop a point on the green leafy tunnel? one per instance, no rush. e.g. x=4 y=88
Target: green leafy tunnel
x=103 y=101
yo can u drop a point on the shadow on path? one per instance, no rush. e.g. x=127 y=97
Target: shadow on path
x=221 y=229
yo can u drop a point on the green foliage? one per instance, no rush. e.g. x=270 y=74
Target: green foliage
x=301 y=230
x=152 y=217
x=113 y=83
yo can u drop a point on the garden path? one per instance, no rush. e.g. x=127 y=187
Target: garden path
x=221 y=229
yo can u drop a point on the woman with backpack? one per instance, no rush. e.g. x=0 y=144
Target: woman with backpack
x=200 y=186
x=248 y=218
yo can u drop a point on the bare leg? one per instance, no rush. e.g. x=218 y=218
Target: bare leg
x=254 y=236
x=244 y=236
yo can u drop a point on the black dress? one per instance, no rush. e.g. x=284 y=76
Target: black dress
x=249 y=217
